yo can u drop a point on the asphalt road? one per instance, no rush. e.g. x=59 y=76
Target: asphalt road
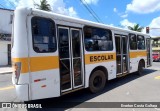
x=131 y=88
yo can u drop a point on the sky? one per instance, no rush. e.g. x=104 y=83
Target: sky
x=118 y=13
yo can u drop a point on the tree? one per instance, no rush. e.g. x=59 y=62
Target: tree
x=136 y=27
x=43 y=5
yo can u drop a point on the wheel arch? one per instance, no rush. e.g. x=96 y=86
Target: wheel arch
x=102 y=68
x=142 y=61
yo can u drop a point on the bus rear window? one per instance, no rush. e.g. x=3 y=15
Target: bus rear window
x=43 y=33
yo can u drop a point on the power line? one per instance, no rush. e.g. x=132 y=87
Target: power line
x=84 y=4
x=91 y=11
x=2 y=6
x=11 y=4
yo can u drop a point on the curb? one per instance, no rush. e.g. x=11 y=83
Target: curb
x=6 y=72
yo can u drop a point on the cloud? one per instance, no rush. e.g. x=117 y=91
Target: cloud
x=90 y=1
x=155 y=23
x=125 y=23
x=114 y=10
x=121 y=14
x=111 y=24
x=143 y=6
x=124 y=15
x=72 y=12
x=57 y=6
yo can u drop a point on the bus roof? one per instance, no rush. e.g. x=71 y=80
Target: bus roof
x=73 y=20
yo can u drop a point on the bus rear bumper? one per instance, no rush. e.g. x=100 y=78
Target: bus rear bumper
x=22 y=91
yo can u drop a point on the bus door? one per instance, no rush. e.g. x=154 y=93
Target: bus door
x=148 y=45
x=122 y=55
x=71 y=58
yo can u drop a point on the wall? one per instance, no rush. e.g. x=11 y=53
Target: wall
x=5 y=21
x=4 y=52
x=5 y=28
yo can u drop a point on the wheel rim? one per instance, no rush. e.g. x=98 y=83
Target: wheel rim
x=97 y=81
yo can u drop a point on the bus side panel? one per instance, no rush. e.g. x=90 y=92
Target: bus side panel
x=48 y=86
x=133 y=64
x=135 y=57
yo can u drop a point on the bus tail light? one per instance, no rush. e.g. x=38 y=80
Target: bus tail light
x=17 y=67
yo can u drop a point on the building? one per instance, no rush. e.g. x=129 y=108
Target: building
x=156 y=44
x=6 y=16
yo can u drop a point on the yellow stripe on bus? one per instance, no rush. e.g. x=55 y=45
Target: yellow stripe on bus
x=138 y=54
x=38 y=63
x=24 y=64
x=52 y=62
x=44 y=63
x=98 y=58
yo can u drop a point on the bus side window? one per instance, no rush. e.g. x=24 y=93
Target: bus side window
x=97 y=39
x=133 y=41
x=35 y=28
x=43 y=33
x=141 y=42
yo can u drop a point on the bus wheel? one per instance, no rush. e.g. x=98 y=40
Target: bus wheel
x=97 y=81
x=140 y=68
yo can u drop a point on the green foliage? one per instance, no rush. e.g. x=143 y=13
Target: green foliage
x=136 y=27
x=43 y=5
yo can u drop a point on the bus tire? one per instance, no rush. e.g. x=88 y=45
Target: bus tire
x=140 y=68
x=97 y=81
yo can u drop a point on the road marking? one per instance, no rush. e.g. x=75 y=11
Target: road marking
x=6 y=88
x=157 y=77
x=158 y=109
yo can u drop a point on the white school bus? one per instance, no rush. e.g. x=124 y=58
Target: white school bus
x=54 y=54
